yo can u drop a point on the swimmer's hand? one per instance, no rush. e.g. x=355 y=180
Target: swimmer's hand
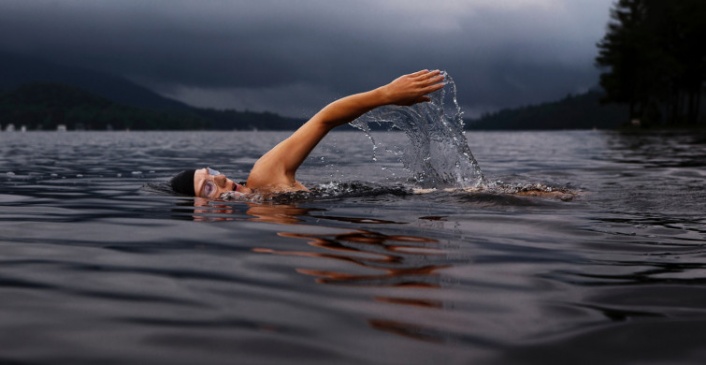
x=413 y=88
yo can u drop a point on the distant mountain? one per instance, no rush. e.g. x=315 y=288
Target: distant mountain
x=582 y=111
x=18 y=74
x=19 y=70
x=47 y=106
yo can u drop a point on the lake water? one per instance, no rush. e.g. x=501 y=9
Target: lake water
x=97 y=269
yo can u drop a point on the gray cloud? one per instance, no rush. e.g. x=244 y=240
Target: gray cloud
x=293 y=56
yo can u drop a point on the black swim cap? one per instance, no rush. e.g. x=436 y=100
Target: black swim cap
x=183 y=183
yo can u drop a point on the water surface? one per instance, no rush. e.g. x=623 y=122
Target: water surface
x=94 y=268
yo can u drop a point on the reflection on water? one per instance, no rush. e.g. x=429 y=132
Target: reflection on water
x=393 y=260
x=389 y=261
x=213 y=211
x=401 y=261
x=96 y=269
x=389 y=258
x=671 y=149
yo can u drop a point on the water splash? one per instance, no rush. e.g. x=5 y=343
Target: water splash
x=438 y=154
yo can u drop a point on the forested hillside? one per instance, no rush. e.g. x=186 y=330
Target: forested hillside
x=40 y=94
x=46 y=105
x=582 y=111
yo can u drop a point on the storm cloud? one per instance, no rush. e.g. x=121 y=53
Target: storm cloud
x=293 y=57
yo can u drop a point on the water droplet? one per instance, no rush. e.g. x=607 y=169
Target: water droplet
x=438 y=151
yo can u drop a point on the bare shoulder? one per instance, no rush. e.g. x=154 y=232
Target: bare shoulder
x=270 y=177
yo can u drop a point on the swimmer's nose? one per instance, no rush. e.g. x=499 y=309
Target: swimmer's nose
x=220 y=180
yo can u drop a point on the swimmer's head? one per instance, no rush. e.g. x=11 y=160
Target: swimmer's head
x=183 y=183
x=205 y=183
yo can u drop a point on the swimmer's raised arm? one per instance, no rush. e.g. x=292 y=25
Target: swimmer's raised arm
x=277 y=168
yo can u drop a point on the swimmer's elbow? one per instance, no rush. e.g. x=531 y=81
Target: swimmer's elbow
x=325 y=121
x=336 y=115
x=347 y=109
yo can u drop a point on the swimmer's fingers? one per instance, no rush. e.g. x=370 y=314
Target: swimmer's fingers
x=433 y=84
x=411 y=89
x=423 y=76
x=430 y=81
x=420 y=73
x=426 y=74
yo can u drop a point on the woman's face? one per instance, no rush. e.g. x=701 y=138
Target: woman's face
x=210 y=184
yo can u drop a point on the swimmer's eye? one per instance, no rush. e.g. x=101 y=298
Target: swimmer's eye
x=208 y=189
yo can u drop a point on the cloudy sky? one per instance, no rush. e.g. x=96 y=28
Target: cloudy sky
x=294 y=56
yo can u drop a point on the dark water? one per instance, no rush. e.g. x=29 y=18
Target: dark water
x=95 y=269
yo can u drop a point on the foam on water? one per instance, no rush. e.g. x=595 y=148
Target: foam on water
x=438 y=154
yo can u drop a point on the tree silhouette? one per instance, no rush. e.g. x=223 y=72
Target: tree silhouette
x=654 y=59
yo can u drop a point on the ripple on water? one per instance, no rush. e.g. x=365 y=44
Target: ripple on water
x=95 y=269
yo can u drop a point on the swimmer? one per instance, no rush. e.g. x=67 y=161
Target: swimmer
x=275 y=171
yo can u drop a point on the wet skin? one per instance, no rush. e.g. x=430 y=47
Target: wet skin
x=211 y=184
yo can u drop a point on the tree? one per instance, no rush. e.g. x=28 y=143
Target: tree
x=654 y=59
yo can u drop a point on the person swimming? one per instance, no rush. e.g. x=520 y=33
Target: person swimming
x=275 y=171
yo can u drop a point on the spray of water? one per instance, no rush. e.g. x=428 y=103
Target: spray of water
x=437 y=154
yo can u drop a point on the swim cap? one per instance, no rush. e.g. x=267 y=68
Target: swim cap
x=183 y=183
